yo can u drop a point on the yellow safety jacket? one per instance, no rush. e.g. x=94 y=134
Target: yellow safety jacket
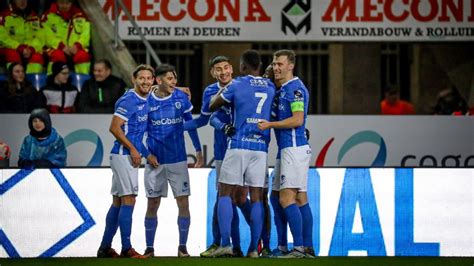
x=66 y=29
x=18 y=29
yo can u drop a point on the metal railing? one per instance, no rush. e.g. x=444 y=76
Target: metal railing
x=150 y=53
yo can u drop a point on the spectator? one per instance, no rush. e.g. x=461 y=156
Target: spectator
x=69 y=33
x=17 y=94
x=450 y=102
x=99 y=94
x=43 y=147
x=58 y=93
x=21 y=39
x=392 y=105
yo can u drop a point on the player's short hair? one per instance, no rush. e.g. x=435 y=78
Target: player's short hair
x=290 y=54
x=251 y=59
x=143 y=67
x=165 y=68
x=106 y=63
x=218 y=59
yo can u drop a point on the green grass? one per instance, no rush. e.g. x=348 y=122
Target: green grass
x=322 y=261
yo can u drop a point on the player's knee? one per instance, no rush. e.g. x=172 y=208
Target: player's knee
x=183 y=203
x=128 y=200
x=301 y=200
x=153 y=204
x=240 y=199
x=286 y=200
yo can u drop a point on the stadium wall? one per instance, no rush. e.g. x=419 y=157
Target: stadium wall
x=357 y=212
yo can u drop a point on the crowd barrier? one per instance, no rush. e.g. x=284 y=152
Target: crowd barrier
x=356 y=211
x=336 y=141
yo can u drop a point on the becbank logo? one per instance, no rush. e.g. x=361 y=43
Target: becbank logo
x=89 y=136
x=296 y=15
x=367 y=136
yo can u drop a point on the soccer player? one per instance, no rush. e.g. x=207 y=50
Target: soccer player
x=294 y=151
x=221 y=70
x=169 y=108
x=128 y=126
x=246 y=158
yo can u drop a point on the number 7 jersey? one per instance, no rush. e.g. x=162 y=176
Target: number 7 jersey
x=251 y=99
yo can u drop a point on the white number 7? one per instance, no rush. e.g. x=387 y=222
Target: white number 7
x=263 y=97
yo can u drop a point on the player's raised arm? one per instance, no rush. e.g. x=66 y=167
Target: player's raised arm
x=217 y=101
x=296 y=120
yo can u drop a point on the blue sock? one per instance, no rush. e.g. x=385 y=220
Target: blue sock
x=234 y=231
x=265 y=236
x=216 y=235
x=225 y=215
x=245 y=209
x=280 y=221
x=256 y=223
x=111 y=226
x=125 y=222
x=151 y=223
x=183 y=226
x=307 y=217
x=293 y=215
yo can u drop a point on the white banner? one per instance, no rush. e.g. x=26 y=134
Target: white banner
x=393 y=141
x=297 y=20
x=375 y=212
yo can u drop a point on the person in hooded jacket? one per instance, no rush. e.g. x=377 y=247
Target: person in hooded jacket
x=43 y=147
x=59 y=94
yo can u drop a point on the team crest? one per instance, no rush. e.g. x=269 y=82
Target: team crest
x=54 y=28
x=177 y=105
x=12 y=31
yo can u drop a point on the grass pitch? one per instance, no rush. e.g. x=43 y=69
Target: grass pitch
x=194 y=261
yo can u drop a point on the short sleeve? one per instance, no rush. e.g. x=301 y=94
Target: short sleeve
x=296 y=98
x=206 y=100
x=124 y=109
x=188 y=106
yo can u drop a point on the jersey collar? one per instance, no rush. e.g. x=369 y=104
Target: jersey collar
x=138 y=95
x=161 y=99
x=220 y=87
x=293 y=79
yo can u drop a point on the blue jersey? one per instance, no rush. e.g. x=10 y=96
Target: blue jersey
x=165 y=137
x=132 y=108
x=274 y=116
x=293 y=97
x=223 y=114
x=251 y=99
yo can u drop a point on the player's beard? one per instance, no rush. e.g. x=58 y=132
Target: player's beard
x=144 y=87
